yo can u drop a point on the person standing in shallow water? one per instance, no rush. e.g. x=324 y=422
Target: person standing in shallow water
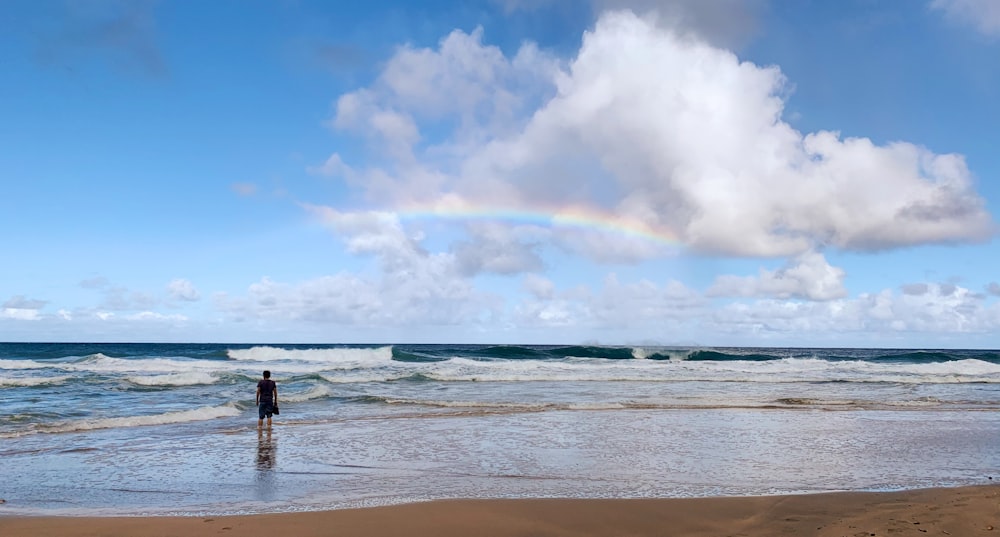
x=267 y=399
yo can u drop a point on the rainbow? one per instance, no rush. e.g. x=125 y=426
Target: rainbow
x=575 y=216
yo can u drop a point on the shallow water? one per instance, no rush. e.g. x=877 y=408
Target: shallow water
x=566 y=453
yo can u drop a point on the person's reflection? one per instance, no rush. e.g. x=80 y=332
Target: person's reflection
x=266 y=450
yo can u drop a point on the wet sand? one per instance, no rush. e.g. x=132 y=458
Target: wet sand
x=961 y=512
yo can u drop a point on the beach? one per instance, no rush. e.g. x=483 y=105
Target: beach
x=961 y=511
x=643 y=437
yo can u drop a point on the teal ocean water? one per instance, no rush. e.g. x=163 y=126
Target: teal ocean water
x=171 y=428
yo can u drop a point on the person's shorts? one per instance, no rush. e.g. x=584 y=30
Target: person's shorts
x=265 y=410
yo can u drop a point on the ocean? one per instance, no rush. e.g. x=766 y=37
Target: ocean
x=158 y=429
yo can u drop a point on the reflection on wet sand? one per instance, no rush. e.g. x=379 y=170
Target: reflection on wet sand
x=267 y=450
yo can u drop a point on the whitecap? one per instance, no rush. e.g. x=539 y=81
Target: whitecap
x=176 y=379
x=183 y=416
x=32 y=381
x=317 y=392
x=22 y=364
x=349 y=357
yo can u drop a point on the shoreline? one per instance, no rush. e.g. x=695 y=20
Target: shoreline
x=960 y=511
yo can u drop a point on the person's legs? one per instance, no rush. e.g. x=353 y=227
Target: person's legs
x=264 y=410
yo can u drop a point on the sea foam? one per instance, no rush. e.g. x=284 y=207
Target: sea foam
x=197 y=414
x=176 y=379
x=22 y=364
x=32 y=381
x=317 y=392
x=341 y=356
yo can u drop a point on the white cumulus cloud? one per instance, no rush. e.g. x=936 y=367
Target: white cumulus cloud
x=181 y=289
x=497 y=249
x=808 y=276
x=920 y=311
x=540 y=287
x=20 y=314
x=722 y=22
x=22 y=308
x=644 y=306
x=648 y=136
x=651 y=127
x=20 y=302
x=983 y=15
x=410 y=287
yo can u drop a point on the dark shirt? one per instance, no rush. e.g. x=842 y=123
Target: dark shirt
x=266 y=387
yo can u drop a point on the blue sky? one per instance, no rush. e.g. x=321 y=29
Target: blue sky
x=729 y=172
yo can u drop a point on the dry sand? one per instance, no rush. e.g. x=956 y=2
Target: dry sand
x=960 y=512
